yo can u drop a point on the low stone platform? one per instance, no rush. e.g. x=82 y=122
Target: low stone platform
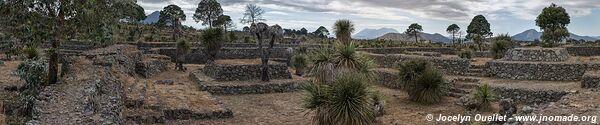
x=388 y=77
x=432 y=54
x=554 y=71
x=153 y=64
x=537 y=54
x=591 y=79
x=244 y=69
x=206 y=83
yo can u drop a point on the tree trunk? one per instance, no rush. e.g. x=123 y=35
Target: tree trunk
x=53 y=61
x=264 y=76
x=453 y=40
x=416 y=40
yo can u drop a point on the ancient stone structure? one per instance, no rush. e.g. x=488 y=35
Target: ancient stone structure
x=241 y=72
x=446 y=64
x=206 y=83
x=418 y=53
x=583 y=50
x=537 y=54
x=591 y=79
x=197 y=56
x=529 y=96
x=153 y=64
x=399 y=50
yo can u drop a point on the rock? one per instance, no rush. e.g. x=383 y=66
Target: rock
x=507 y=107
x=468 y=102
x=527 y=109
x=165 y=82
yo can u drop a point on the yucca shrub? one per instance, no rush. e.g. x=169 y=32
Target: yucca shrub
x=299 y=63
x=183 y=48
x=466 y=54
x=212 y=40
x=501 y=45
x=325 y=63
x=422 y=82
x=429 y=87
x=484 y=95
x=348 y=100
x=31 y=52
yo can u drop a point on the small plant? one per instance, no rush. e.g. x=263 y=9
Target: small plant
x=33 y=72
x=31 y=53
x=347 y=101
x=299 y=62
x=429 y=87
x=212 y=39
x=485 y=95
x=466 y=54
x=499 y=48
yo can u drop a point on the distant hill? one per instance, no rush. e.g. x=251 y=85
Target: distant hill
x=152 y=18
x=422 y=36
x=373 y=33
x=532 y=34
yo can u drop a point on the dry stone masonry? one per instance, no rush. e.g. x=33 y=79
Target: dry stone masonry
x=241 y=72
x=448 y=65
x=537 y=54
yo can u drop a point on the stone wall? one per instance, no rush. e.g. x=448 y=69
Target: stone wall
x=538 y=70
x=529 y=96
x=447 y=65
x=149 y=45
x=537 y=54
x=399 y=50
x=388 y=77
x=241 y=72
x=583 y=50
x=482 y=54
x=153 y=65
x=197 y=56
x=591 y=79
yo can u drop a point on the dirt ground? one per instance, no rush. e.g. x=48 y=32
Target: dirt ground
x=9 y=81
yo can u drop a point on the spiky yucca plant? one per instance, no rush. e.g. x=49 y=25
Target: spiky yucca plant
x=326 y=63
x=429 y=87
x=410 y=70
x=343 y=30
x=299 y=62
x=212 y=39
x=347 y=101
x=183 y=48
x=485 y=96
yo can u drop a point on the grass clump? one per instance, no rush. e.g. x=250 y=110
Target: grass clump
x=466 y=54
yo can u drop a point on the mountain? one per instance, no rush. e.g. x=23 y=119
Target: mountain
x=532 y=34
x=422 y=36
x=527 y=35
x=373 y=33
x=152 y=18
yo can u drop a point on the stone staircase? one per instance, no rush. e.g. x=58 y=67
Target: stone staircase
x=476 y=70
x=462 y=86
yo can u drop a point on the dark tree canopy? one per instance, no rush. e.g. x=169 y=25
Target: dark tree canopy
x=478 y=30
x=414 y=30
x=171 y=14
x=224 y=21
x=453 y=29
x=208 y=12
x=303 y=31
x=553 y=21
x=321 y=32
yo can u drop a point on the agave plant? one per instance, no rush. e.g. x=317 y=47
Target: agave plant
x=485 y=96
x=347 y=101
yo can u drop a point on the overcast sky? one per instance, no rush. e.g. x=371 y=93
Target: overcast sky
x=505 y=16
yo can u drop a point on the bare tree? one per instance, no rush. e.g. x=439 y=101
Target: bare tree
x=252 y=14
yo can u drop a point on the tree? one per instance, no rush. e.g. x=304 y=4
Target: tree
x=321 y=32
x=553 y=21
x=303 y=31
x=54 y=20
x=478 y=30
x=224 y=21
x=133 y=12
x=414 y=30
x=263 y=31
x=343 y=31
x=172 y=15
x=208 y=11
x=453 y=29
x=252 y=14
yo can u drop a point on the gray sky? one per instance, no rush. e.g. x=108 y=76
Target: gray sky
x=505 y=16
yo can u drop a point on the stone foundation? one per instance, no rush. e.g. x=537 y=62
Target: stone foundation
x=537 y=54
x=529 y=96
x=205 y=83
x=591 y=79
x=560 y=71
x=241 y=72
x=445 y=64
x=583 y=50
x=399 y=50
x=152 y=65
x=197 y=56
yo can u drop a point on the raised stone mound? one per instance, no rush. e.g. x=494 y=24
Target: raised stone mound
x=559 y=71
x=388 y=77
x=432 y=54
x=584 y=50
x=244 y=69
x=448 y=65
x=537 y=54
x=153 y=64
x=591 y=79
x=206 y=83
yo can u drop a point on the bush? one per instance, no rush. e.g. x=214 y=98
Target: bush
x=33 y=72
x=429 y=87
x=485 y=95
x=299 y=62
x=347 y=101
x=466 y=54
x=212 y=39
x=410 y=70
x=499 y=48
x=423 y=83
x=31 y=53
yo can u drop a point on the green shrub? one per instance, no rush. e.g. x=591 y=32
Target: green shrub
x=466 y=54
x=499 y=48
x=410 y=70
x=33 y=72
x=299 y=62
x=212 y=40
x=31 y=53
x=429 y=87
x=347 y=101
x=485 y=95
